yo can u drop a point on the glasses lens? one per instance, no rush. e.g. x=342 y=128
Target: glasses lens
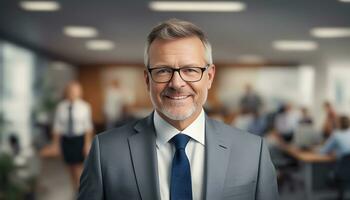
x=191 y=73
x=162 y=74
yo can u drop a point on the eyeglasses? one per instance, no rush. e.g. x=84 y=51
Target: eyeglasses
x=188 y=74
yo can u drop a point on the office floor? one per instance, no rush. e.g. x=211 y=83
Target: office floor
x=54 y=182
x=296 y=190
x=287 y=194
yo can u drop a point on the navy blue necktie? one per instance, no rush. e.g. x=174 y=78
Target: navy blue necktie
x=181 y=185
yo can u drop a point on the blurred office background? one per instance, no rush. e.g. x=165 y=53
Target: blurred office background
x=293 y=57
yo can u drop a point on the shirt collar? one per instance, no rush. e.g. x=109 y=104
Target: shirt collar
x=67 y=102
x=166 y=131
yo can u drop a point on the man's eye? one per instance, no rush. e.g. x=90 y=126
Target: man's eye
x=190 y=70
x=163 y=71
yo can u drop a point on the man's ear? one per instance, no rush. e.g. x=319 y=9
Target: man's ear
x=146 y=77
x=211 y=75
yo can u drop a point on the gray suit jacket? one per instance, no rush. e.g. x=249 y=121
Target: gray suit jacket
x=122 y=164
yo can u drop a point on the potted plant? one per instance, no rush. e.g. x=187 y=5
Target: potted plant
x=9 y=189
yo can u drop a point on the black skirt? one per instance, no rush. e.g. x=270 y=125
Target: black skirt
x=72 y=149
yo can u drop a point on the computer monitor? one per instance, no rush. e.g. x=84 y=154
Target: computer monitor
x=305 y=136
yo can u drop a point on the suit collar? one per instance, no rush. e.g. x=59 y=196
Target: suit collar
x=144 y=157
x=143 y=154
x=217 y=157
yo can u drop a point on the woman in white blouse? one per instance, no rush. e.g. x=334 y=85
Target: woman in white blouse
x=72 y=131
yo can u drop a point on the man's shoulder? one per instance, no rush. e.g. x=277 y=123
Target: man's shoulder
x=341 y=135
x=235 y=139
x=232 y=133
x=123 y=131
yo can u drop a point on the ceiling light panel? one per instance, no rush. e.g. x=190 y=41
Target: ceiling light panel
x=99 y=45
x=197 y=6
x=80 y=31
x=40 y=5
x=295 y=45
x=330 y=32
x=250 y=58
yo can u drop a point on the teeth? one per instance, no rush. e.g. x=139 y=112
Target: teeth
x=178 y=97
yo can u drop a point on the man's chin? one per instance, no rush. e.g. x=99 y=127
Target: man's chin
x=177 y=116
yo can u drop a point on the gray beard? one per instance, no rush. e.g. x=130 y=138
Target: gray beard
x=178 y=117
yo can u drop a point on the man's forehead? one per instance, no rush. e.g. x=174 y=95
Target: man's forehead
x=184 y=47
x=181 y=42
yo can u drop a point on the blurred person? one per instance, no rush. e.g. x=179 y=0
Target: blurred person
x=177 y=152
x=126 y=117
x=270 y=118
x=242 y=120
x=114 y=104
x=338 y=146
x=72 y=131
x=216 y=114
x=258 y=124
x=338 y=143
x=250 y=101
x=330 y=121
x=305 y=117
x=285 y=122
x=14 y=144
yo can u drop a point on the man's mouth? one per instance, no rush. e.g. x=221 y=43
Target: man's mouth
x=177 y=97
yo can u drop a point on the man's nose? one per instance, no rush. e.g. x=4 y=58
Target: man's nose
x=176 y=81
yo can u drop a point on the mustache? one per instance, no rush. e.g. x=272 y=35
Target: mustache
x=177 y=92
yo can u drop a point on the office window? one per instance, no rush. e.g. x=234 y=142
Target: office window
x=16 y=91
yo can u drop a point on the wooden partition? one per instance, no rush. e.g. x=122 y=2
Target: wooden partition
x=91 y=83
x=95 y=79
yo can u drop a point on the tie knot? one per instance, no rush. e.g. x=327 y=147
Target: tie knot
x=180 y=141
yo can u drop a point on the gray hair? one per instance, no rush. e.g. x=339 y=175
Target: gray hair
x=175 y=29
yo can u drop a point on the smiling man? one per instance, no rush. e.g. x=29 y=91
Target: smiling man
x=177 y=152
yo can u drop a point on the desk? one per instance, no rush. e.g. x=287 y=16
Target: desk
x=315 y=168
x=307 y=156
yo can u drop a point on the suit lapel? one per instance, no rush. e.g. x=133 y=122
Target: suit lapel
x=143 y=154
x=217 y=158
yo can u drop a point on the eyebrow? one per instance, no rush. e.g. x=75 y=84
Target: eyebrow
x=181 y=66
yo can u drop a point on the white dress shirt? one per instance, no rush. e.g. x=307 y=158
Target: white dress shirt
x=194 y=150
x=81 y=112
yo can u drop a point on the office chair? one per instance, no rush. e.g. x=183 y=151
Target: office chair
x=286 y=166
x=342 y=176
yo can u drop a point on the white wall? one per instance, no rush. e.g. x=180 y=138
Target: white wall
x=339 y=88
x=274 y=84
x=58 y=75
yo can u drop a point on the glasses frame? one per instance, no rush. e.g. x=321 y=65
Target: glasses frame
x=203 y=69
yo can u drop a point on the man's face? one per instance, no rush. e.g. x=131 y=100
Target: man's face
x=74 y=91
x=178 y=100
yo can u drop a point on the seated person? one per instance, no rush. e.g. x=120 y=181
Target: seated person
x=305 y=117
x=339 y=142
x=285 y=122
